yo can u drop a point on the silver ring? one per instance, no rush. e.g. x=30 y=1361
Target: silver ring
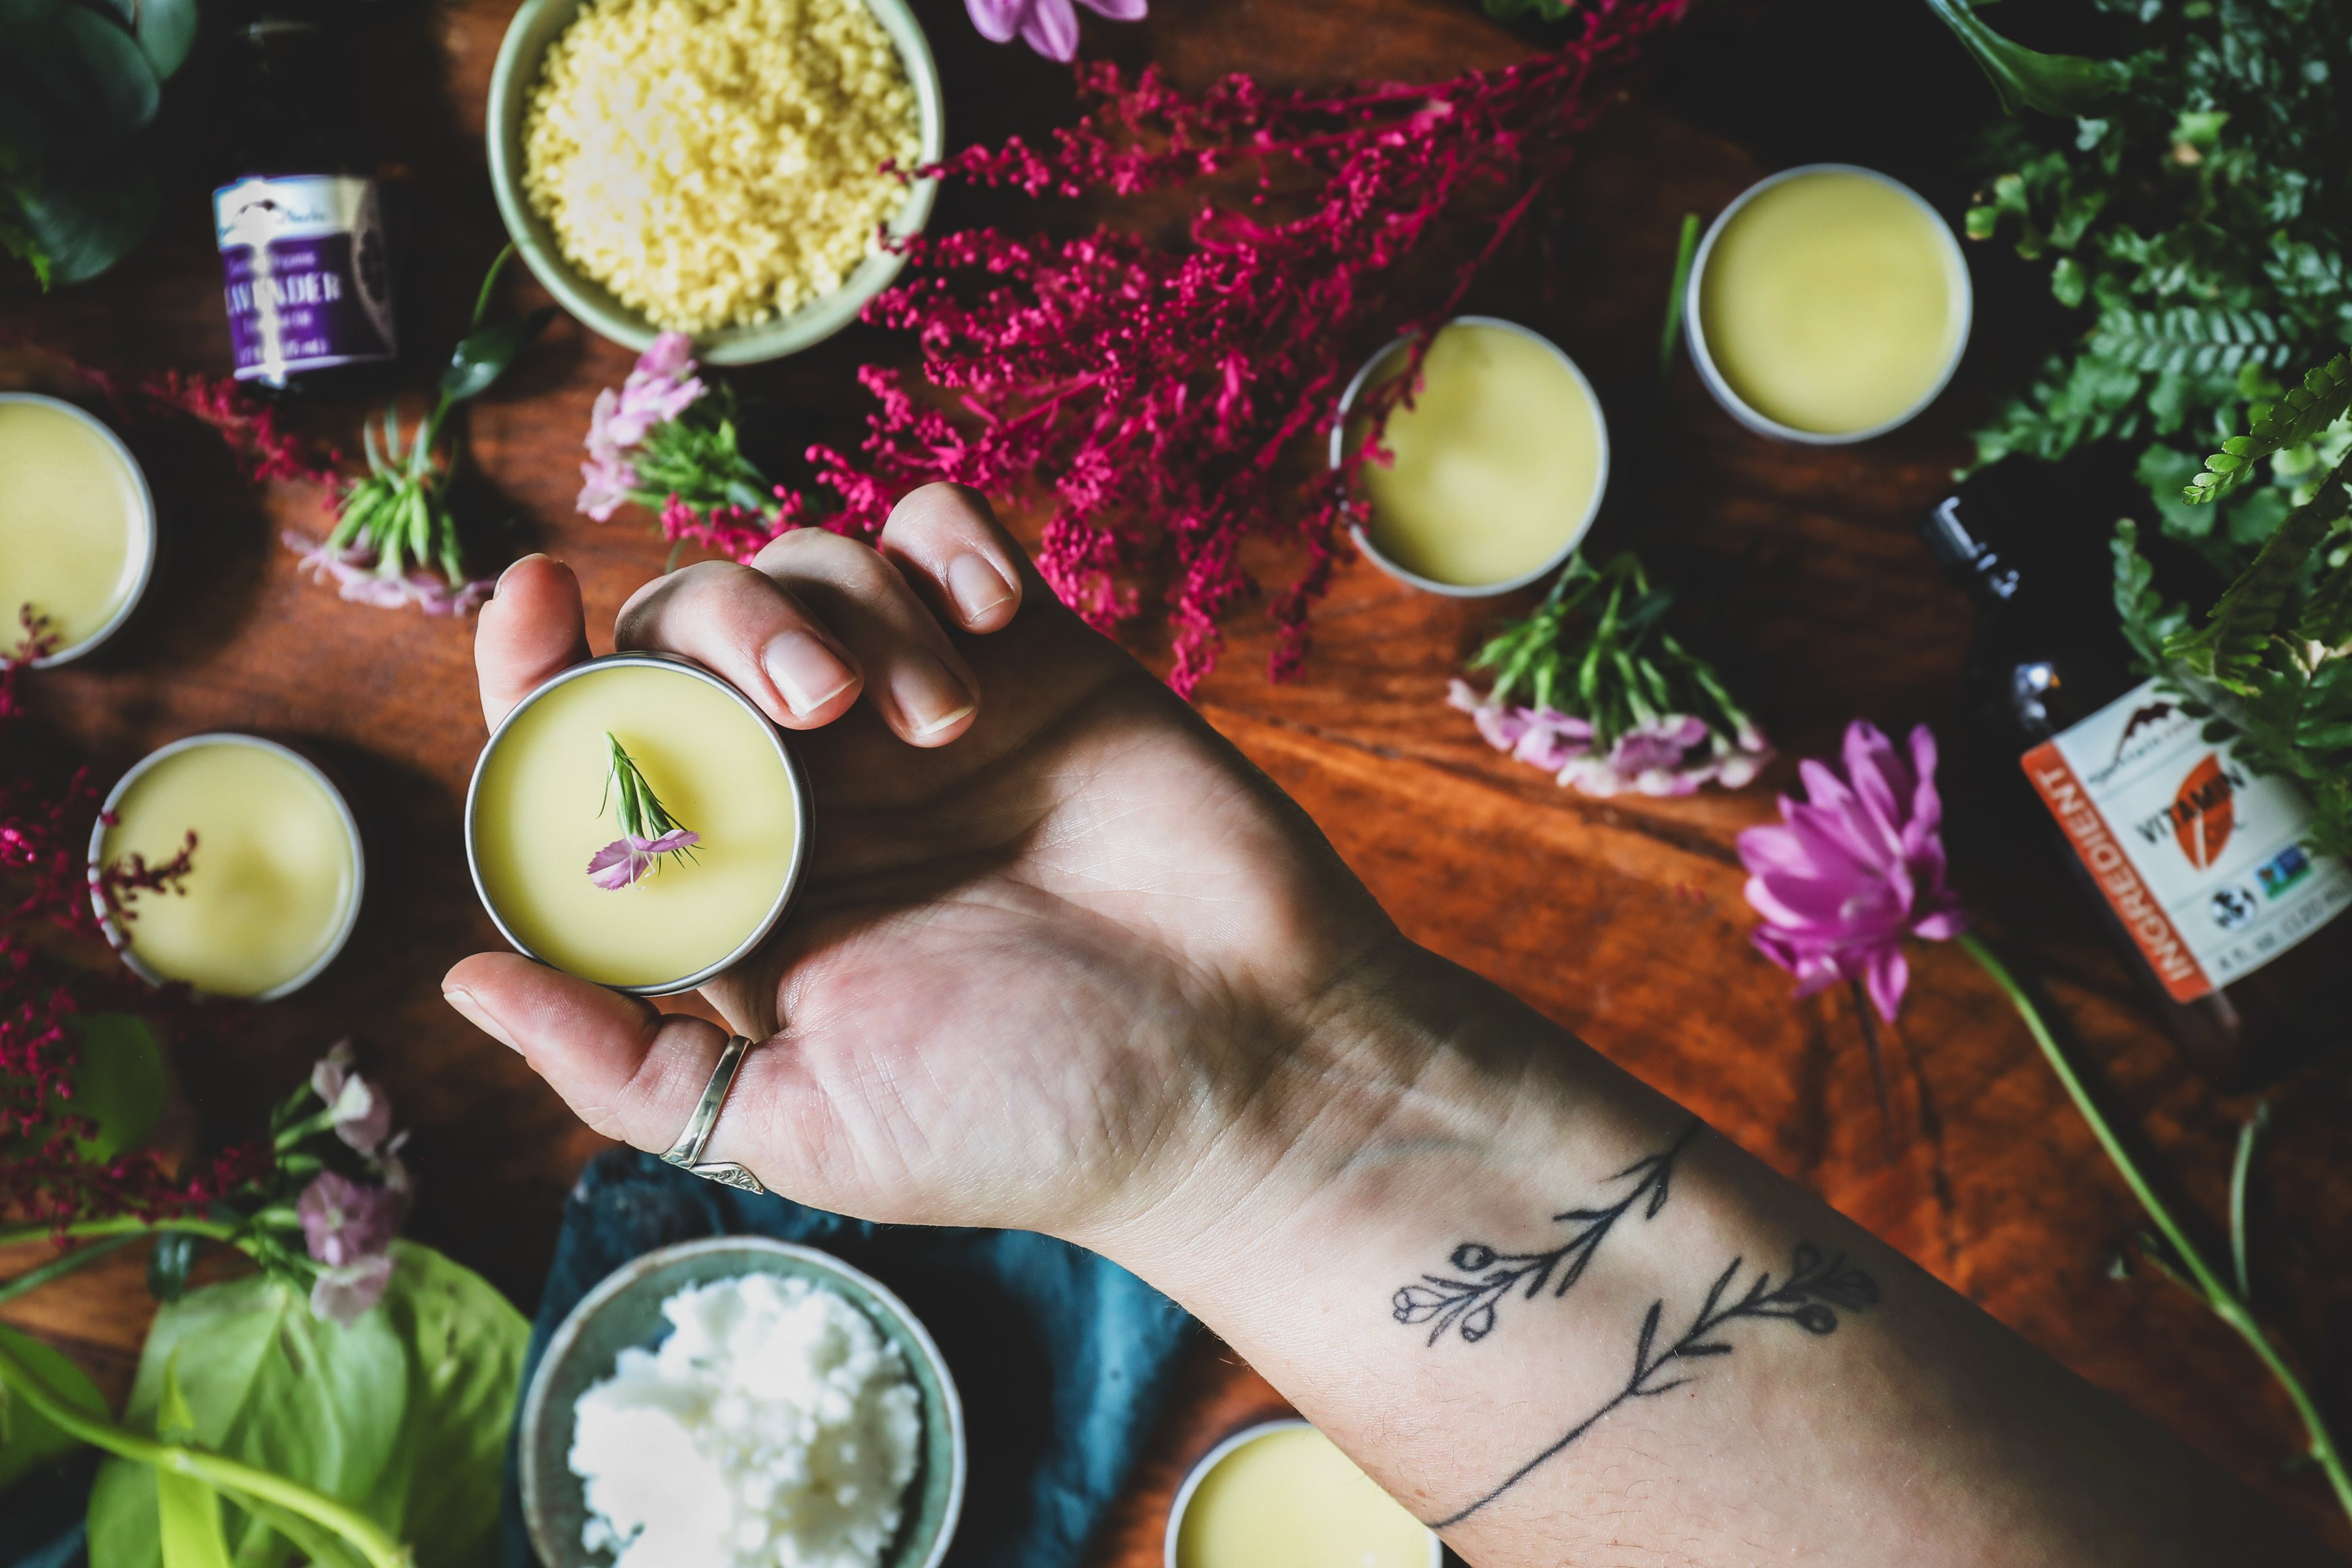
x=687 y=1153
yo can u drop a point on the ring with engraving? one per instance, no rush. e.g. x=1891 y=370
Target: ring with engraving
x=687 y=1153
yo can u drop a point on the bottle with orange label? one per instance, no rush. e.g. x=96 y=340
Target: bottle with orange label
x=2196 y=863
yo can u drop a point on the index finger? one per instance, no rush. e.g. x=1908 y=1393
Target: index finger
x=534 y=628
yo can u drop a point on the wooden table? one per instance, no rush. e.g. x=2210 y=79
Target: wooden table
x=1623 y=920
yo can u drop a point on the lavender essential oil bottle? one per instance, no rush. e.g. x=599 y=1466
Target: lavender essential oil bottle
x=305 y=262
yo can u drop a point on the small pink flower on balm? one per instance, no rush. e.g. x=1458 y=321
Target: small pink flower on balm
x=626 y=860
x=1048 y=27
x=1856 y=869
x=649 y=832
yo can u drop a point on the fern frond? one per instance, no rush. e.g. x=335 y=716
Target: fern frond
x=2228 y=649
x=2327 y=613
x=2189 y=340
x=2147 y=621
x=2301 y=414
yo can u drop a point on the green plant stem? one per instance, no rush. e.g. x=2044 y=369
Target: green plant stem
x=1685 y=248
x=216 y=1470
x=64 y=1264
x=119 y=1225
x=2221 y=1299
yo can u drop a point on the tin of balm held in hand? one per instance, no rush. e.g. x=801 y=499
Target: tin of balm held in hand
x=637 y=822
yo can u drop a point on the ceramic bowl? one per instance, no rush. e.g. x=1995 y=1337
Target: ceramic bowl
x=536 y=26
x=1694 y=323
x=1362 y=536
x=625 y=1311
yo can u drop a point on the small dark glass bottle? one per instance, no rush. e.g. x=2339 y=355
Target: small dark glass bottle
x=2239 y=937
x=299 y=221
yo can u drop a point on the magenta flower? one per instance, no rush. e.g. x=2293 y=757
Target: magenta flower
x=661 y=387
x=1856 y=871
x=1048 y=27
x=628 y=858
x=1672 y=755
x=344 y=1221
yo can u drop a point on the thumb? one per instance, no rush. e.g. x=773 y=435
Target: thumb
x=626 y=1068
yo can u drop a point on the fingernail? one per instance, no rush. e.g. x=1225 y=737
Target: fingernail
x=805 y=671
x=471 y=1010
x=928 y=696
x=976 y=586
x=534 y=555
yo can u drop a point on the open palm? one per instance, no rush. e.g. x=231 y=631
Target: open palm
x=1057 y=932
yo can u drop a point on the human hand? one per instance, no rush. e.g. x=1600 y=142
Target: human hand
x=1057 y=937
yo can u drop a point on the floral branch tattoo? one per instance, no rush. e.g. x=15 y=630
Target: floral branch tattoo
x=1817 y=1288
x=1468 y=1305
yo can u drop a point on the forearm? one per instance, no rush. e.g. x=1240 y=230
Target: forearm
x=1701 y=1363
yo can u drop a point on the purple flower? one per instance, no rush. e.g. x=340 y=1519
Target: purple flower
x=1048 y=27
x=628 y=858
x=1668 y=755
x=1856 y=871
x=363 y=1114
x=345 y=1221
x=661 y=388
x=355 y=571
x=342 y=1294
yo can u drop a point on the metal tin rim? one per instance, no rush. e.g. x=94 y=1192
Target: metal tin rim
x=1694 y=326
x=534 y=1405
x=802 y=803
x=318 y=966
x=512 y=77
x=145 y=528
x=1214 y=1456
x=1576 y=536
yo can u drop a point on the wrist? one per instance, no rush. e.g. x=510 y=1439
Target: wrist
x=1399 y=1081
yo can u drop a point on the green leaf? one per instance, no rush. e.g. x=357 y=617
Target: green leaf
x=477 y=362
x=169 y=1260
x=2228 y=648
x=88 y=217
x=166 y=31
x=2028 y=79
x=466 y=1345
x=2299 y=415
x=267 y=1383
x=85 y=74
x=28 y=1440
x=188 y=1511
x=118 y=1082
x=2327 y=613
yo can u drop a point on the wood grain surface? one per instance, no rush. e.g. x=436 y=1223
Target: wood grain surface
x=1623 y=920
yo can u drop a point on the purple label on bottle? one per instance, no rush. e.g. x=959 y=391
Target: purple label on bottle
x=307 y=276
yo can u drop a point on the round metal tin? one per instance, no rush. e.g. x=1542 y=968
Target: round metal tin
x=143 y=524
x=1694 y=324
x=1576 y=536
x=350 y=920
x=1216 y=1456
x=801 y=800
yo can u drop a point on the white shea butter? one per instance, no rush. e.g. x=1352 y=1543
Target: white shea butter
x=775 y=1427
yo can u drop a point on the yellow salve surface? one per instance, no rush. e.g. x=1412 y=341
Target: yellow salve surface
x=1495 y=459
x=69 y=519
x=272 y=879
x=1292 y=1499
x=1831 y=302
x=541 y=811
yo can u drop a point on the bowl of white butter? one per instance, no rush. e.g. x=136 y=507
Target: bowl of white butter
x=742 y=1403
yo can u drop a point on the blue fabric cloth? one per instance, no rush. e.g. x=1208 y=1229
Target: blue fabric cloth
x=1063 y=1358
